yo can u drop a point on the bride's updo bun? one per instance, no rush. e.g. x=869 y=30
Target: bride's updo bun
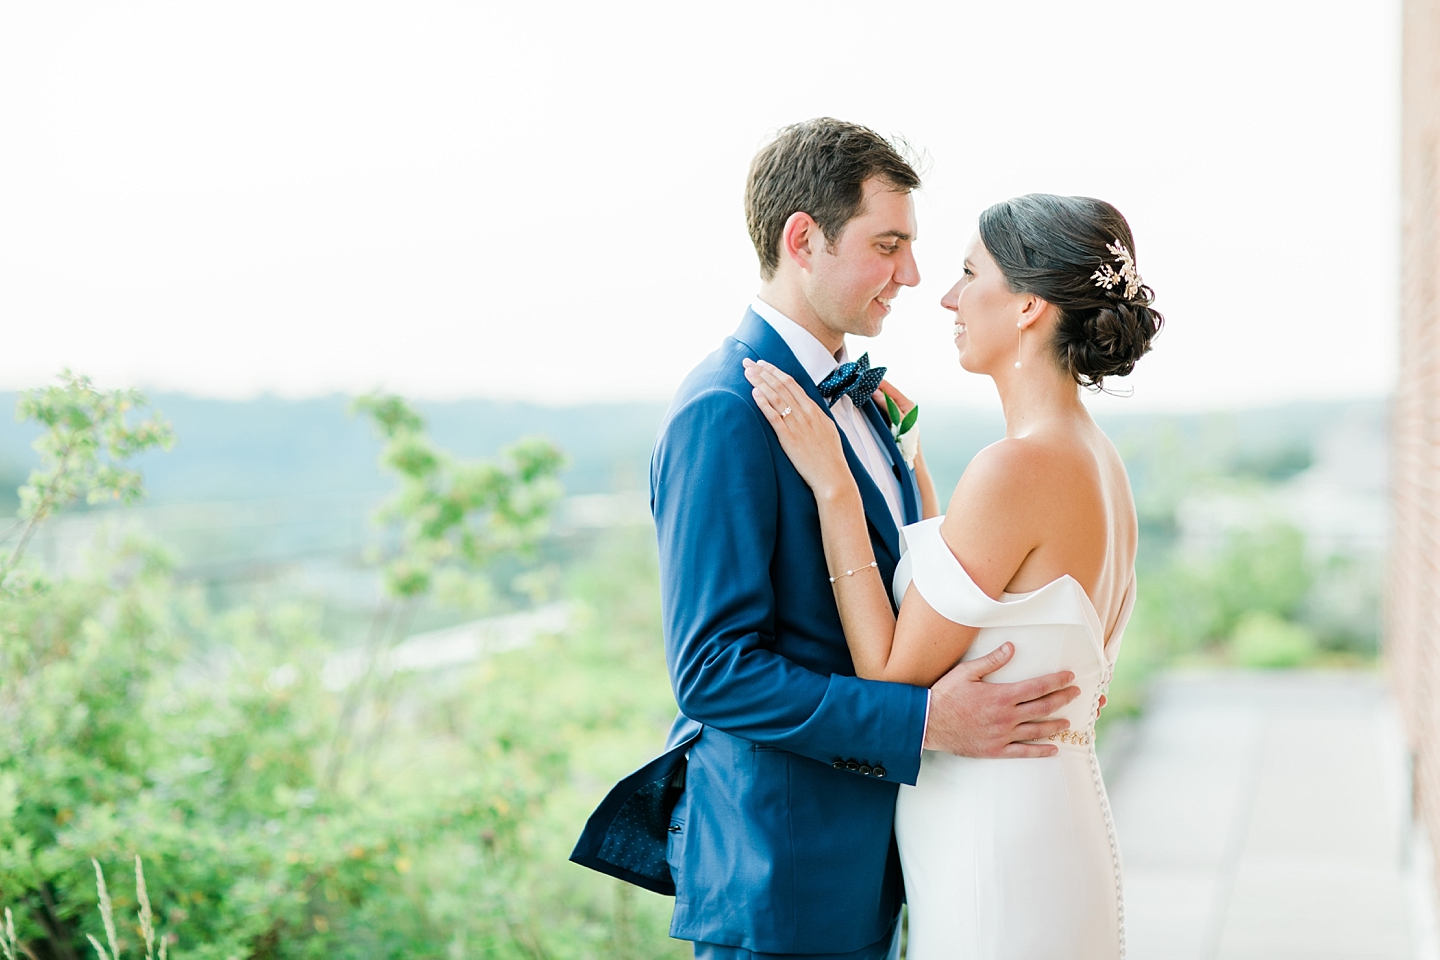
x=1054 y=247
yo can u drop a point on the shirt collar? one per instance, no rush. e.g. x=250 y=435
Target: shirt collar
x=817 y=361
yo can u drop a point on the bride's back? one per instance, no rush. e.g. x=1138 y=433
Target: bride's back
x=1057 y=501
x=1010 y=859
x=1088 y=524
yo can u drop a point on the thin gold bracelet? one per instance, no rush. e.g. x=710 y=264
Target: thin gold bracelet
x=851 y=573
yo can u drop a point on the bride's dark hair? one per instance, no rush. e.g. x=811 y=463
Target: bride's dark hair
x=1052 y=246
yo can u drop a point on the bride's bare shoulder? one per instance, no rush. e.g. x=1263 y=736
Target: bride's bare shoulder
x=997 y=514
x=1021 y=464
x=1019 y=482
x=998 y=484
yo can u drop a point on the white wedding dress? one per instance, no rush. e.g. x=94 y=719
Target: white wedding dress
x=1014 y=859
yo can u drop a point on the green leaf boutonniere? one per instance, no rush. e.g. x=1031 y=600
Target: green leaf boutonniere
x=905 y=430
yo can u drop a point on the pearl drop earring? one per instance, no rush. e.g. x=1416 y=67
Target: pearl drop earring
x=1019 y=342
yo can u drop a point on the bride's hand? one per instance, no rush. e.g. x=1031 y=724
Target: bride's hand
x=807 y=435
x=902 y=402
x=929 y=502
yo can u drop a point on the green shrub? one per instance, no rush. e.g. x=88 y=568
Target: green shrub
x=405 y=816
x=1343 y=606
x=1240 y=604
x=1262 y=639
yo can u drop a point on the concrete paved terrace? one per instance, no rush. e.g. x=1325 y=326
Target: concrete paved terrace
x=1265 y=815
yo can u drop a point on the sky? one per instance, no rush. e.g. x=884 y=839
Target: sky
x=542 y=201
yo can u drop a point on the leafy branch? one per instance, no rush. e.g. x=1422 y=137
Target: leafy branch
x=452 y=516
x=453 y=513
x=83 y=451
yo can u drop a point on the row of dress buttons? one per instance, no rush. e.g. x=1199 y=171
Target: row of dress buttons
x=1110 y=831
x=863 y=769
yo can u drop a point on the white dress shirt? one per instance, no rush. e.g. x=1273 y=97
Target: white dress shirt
x=819 y=363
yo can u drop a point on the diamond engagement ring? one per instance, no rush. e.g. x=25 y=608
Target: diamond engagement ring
x=785 y=413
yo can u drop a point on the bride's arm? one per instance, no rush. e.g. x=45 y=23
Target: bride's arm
x=929 y=502
x=812 y=441
x=865 y=611
x=931 y=644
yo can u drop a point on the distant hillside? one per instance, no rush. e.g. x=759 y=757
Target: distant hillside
x=271 y=448
x=1164 y=451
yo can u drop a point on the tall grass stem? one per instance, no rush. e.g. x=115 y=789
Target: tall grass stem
x=107 y=914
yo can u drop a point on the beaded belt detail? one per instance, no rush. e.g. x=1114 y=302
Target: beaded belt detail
x=1077 y=737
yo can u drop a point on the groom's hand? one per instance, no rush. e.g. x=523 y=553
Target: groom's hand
x=971 y=718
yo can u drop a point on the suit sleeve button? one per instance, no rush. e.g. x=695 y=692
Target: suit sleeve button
x=864 y=769
x=838 y=764
x=878 y=771
x=852 y=766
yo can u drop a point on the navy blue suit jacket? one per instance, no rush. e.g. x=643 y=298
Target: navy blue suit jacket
x=769 y=815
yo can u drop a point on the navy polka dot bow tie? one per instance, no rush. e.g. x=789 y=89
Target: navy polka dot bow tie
x=855 y=380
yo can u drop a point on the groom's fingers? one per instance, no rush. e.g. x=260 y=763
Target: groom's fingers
x=1037 y=688
x=1041 y=687
x=988 y=664
x=1039 y=730
x=1046 y=705
x=1021 y=751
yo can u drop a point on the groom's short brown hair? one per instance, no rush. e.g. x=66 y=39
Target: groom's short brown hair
x=819 y=167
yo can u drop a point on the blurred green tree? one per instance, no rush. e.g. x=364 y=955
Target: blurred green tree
x=1193 y=605
x=138 y=720
x=457 y=515
x=83 y=451
x=1262 y=639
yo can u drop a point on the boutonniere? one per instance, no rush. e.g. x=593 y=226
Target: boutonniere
x=905 y=430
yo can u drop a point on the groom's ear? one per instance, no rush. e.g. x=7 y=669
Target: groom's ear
x=800 y=239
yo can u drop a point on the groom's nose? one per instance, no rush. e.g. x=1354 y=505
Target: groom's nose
x=907 y=273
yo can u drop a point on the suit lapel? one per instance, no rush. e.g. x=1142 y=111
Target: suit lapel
x=760 y=337
x=909 y=492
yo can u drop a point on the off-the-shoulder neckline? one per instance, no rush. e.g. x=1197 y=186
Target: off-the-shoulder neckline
x=1092 y=615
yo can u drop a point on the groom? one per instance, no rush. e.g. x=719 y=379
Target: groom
x=769 y=815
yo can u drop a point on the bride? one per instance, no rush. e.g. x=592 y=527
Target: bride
x=1006 y=859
